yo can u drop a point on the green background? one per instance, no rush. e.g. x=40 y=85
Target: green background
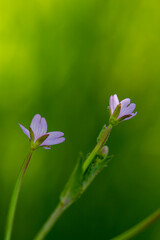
x=63 y=59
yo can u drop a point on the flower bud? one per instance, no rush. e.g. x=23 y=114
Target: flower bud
x=104 y=151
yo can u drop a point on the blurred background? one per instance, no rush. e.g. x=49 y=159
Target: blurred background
x=63 y=59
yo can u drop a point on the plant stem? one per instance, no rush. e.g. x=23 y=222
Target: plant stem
x=139 y=227
x=61 y=207
x=51 y=221
x=14 y=197
x=98 y=147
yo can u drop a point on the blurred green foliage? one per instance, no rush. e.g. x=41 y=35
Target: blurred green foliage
x=63 y=59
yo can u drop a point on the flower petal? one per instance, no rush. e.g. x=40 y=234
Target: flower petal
x=127 y=110
x=131 y=108
x=38 y=126
x=133 y=114
x=35 y=125
x=113 y=102
x=42 y=126
x=116 y=100
x=55 y=134
x=124 y=104
x=25 y=130
x=48 y=147
x=52 y=141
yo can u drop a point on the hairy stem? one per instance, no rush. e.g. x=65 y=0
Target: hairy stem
x=132 y=232
x=14 y=197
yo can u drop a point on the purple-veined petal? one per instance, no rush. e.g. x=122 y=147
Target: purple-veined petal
x=127 y=110
x=34 y=125
x=38 y=126
x=52 y=141
x=25 y=130
x=116 y=100
x=42 y=126
x=113 y=102
x=124 y=104
x=131 y=108
x=55 y=134
x=52 y=137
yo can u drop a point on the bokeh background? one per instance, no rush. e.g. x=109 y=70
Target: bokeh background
x=63 y=59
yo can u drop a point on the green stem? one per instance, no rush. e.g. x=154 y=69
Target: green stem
x=132 y=232
x=61 y=207
x=50 y=222
x=14 y=198
x=98 y=147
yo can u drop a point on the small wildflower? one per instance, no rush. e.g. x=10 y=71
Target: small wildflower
x=38 y=135
x=120 y=111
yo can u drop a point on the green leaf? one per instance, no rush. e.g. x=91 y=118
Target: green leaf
x=80 y=180
x=97 y=165
x=73 y=188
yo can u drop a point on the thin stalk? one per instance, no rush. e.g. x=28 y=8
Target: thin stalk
x=97 y=148
x=61 y=207
x=132 y=232
x=14 y=197
x=50 y=222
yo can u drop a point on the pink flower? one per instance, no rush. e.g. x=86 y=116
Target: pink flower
x=121 y=110
x=38 y=133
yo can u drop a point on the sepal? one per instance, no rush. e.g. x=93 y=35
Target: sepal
x=31 y=136
x=39 y=141
x=113 y=119
x=124 y=117
x=117 y=111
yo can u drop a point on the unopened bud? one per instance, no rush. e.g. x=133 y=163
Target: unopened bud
x=104 y=151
